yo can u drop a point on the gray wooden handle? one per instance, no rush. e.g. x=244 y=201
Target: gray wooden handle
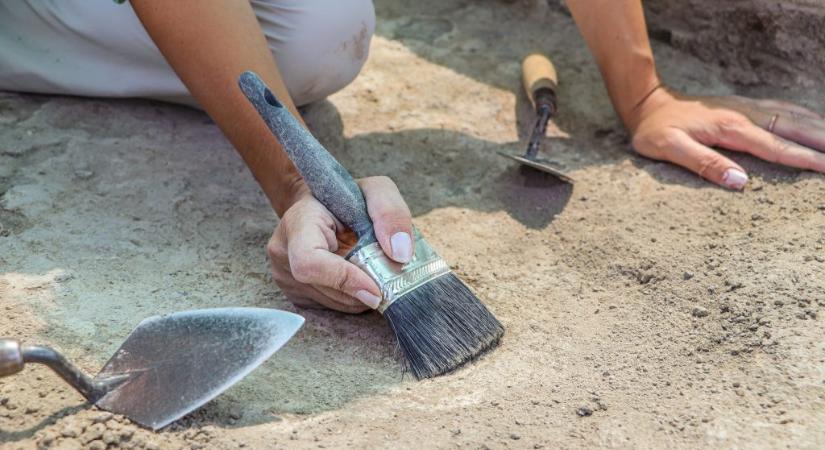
x=329 y=182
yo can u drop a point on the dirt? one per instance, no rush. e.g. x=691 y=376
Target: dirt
x=755 y=42
x=644 y=307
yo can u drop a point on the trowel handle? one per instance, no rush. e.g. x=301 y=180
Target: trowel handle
x=13 y=358
x=540 y=81
x=329 y=182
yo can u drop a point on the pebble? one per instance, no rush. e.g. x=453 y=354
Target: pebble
x=68 y=444
x=700 y=312
x=47 y=438
x=235 y=413
x=94 y=432
x=514 y=436
x=109 y=437
x=687 y=275
x=83 y=174
x=584 y=411
x=63 y=277
x=71 y=431
x=103 y=416
x=127 y=432
x=96 y=445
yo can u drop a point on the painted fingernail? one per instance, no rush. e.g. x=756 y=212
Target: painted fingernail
x=368 y=299
x=401 y=247
x=734 y=179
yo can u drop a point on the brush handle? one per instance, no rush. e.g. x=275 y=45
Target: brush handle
x=329 y=182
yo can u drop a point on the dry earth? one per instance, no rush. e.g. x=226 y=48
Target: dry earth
x=754 y=41
x=645 y=308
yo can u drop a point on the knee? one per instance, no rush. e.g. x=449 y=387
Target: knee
x=325 y=50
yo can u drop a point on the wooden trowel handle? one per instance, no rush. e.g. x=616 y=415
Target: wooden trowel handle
x=539 y=77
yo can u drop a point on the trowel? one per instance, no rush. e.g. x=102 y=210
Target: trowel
x=540 y=82
x=172 y=364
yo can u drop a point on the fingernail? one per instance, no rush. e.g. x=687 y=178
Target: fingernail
x=368 y=299
x=734 y=179
x=401 y=247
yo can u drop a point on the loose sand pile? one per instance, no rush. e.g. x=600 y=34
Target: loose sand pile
x=645 y=308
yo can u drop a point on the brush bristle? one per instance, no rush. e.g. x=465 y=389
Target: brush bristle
x=442 y=325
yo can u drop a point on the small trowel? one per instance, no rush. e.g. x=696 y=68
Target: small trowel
x=540 y=82
x=170 y=365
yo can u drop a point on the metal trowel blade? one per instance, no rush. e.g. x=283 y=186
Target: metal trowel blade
x=175 y=363
x=538 y=165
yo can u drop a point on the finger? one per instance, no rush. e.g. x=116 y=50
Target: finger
x=802 y=130
x=749 y=138
x=305 y=302
x=390 y=216
x=311 y=262
x=310 y=297
x=704 y=161
x=279 y=260
x=276 y=247
x=750 y=106
x=789 y=108
x=340 y=301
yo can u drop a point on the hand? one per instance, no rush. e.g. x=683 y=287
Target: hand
x=682 y=129
x=307 y=249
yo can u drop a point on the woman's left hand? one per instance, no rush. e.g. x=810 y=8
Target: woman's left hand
x=683 y=129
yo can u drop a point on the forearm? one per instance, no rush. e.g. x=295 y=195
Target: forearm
x=209 y=43
x=616 y=33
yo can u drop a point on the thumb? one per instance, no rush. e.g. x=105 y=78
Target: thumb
x=390 y=216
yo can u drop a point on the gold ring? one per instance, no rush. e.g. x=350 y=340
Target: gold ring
x=772 y=123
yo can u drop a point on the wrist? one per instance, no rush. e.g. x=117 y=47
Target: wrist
x=290 y=191
x=633 y=117
x=633 y=87
x=632 y=113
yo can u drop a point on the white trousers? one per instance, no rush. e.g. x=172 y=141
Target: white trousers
x=99 y=48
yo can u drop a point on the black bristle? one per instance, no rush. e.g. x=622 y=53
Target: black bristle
x=442 y=325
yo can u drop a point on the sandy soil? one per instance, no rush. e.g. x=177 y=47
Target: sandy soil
x=754 y=41
x=644 y=307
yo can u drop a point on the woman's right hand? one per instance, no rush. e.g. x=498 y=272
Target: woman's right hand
x=307 y=249
x=683 y=129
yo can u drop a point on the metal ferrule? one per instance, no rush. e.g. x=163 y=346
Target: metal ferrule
x=11 y=357
x=397 y=279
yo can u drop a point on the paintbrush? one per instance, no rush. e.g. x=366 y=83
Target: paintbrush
x=439 y=323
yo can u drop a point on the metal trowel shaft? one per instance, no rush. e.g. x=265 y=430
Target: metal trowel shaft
x=14 y=357
x=538 y=132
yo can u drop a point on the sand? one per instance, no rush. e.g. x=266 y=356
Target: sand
x=645 y=308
